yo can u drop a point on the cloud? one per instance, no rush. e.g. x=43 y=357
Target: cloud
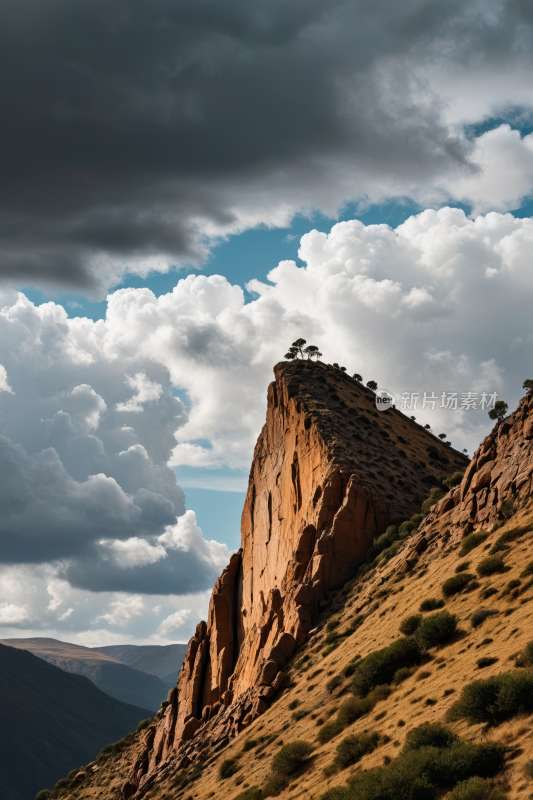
x=12 y=615
x=122 y=610
x=146 y=391
x=4 y=383
x=174 y=621
x=198 y=120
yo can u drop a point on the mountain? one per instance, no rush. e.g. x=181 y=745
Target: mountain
x=162 y=660
x=360 y=622
x=52 y=722
x=110 y=675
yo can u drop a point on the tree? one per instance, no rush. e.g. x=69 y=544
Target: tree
x=357 y=377
x=296 y=349
x=427 y=427
x=465 y=450
x=372 y=385
x=336 y=365
x=413 y=418
x=342 y=369
x=442 y=436
x=312 y=352
x=499 y=411
x=528 y=385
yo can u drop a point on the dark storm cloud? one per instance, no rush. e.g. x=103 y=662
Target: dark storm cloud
x=130 y=127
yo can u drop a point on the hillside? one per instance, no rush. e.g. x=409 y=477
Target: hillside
x=52 y=722
x=401 y=653
x=116 y=679
x=162 y=660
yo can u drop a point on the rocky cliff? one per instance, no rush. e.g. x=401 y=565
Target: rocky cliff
x=329 y=473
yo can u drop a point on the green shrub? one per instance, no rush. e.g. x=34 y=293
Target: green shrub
x=471 y=541
x=275 y=784
x=431 y=604
x=495 y=699
x=334 y=682
x=417 y=774
x=352 y=748
x=525 y=659
x=249 y=744
x=527 y=571
x=434 y=496
x=356 y=622
x=486 y=661
x=300 y=714
x=291 y=757
x=332 y=637
x=253 y=793
x=144 y=723
x=349 y=669
x=490 y=565
x=453 y=480
x=405 y=528
x=228 y=768
x=328 y=731
x=456 y=584
x=416 y=519
x=44 y=794
x=436 y=629
x=401 y=675
x=480 y=615
x=333 y=622
x=378 y=668
x=353 y=708
x=475 y=789
x=429 y=734
x=462 y=567
x=409 y=625
x=294 y=704
x=506 y=538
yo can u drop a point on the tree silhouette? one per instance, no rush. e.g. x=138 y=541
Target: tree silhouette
x=297 y=350
x=342 y=369
x=312 y=352
x=499 y=411
x=528 y=385
x=427 y=427
x=372 y=385
x=442 y=436
x=413 y=418
x=357 y=377
x=465 y=450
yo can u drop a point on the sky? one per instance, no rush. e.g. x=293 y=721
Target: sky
x=187 y=187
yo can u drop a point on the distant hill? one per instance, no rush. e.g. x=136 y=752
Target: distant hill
x=162 y=660
x=110 y=675
x=52 y=722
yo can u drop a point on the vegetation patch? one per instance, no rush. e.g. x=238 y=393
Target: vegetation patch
x=456 y=584
x=490 y=565
x=291 y=758
x=436 y=630
x=506 y=538
x=409 y=625
x=462 y=567
x=471 y=541
x=480 y=615
x=477 y=789
x=485 y=661
x=228 y=768
x=379 y=667
x=495 y=699
x=253 y=793
x=431 y=604
x=352 y=748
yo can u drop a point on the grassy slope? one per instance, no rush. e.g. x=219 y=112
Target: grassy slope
x=449 y=668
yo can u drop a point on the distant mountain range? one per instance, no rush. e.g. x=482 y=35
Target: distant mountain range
x=162 y=660
x=52 y=722
x=110 y=675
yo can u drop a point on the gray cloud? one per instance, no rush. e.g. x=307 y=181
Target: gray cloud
x=135 y=131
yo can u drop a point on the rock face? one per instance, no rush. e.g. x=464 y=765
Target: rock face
x=329 y=473
x=500 y=473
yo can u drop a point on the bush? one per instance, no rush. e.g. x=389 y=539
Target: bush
x=352 y=748
x=417 y=774
x=303 y=712
x=228 y=768
x=291 y=757
x=275 y=784
x=401 y=675
x=334 y=682
x=293 y=704
x=490 y=565
x=328 y=731
x=356 y=622
x=453 y=480
x=353 y=708
x=436 y=629
x=486 y=661
x=431 y=604
x=525 y=659
x=434 y=496
x=462 y=566
x=144 y=723
x=409 y=625
x=471 y=541
x=504 y=539
x=333 y=622
x=456 y=584
x=429 y=734
x=475 y=789
x=44 y=794
x=379 y=667
x=495 y=699
x=249 y=744
x=253 y=793
x=480 y=615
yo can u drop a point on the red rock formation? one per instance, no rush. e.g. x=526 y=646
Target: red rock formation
x=329 y=473
x=500 y=472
